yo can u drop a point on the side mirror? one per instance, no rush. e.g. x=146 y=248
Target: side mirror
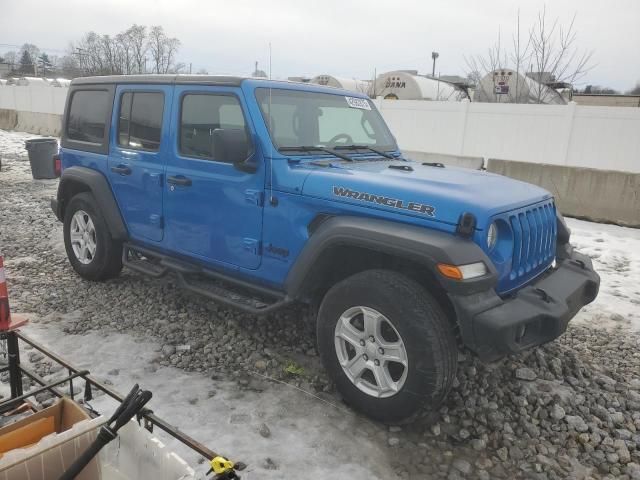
x=232 y=145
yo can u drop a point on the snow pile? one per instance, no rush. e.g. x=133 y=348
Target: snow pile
x=615 y=252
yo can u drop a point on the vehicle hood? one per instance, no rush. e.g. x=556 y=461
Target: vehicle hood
x=412 y=188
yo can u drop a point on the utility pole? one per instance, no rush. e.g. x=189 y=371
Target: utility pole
x=81 y=54
x=434 y=55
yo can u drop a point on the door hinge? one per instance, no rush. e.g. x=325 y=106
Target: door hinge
x=155 y=219
x=255 y=197
x=158 y=177
x=252 y=245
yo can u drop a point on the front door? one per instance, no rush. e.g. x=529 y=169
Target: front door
x=213 y=210
x=138 y=152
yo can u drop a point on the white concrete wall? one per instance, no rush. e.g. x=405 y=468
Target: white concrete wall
x=37 y=99
x=38 y=108
x=605 y=138
x=594 y=194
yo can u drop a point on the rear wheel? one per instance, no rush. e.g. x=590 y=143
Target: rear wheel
x=387 y=344
x=92 y=252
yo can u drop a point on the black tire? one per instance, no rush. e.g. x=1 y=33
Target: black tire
x=420 y=323
x=107 y=261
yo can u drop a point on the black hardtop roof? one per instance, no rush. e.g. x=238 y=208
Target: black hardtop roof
x=173 y=79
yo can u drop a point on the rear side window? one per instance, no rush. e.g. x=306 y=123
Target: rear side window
x=87 y=116
x=201 y=115
x=140 y=120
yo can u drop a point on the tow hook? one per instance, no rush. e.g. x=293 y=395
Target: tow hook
x=544 y=295
x=580 y=263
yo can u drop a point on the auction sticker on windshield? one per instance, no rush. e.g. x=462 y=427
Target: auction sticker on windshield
x=361 y=103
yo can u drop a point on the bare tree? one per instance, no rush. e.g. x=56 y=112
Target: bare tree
x=549 y=54
x=163 y=50
x=12 y=59
x=554 y=53
x=479 y=66
x=127 y=52
x=111 y=55
x=31 y=49
x=69 y=67
x=28 y=55
x=137 y=35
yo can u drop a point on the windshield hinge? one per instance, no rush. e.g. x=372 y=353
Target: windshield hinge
x=255 y=197
x=406 y=168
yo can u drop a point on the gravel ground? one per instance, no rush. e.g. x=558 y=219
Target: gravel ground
x=570 y=409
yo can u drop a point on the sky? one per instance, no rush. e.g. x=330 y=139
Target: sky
x=351 y=38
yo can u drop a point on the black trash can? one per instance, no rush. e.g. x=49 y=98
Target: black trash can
x=41 y=152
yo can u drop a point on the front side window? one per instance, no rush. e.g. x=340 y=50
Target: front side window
x=202 y=118
x=140 y=120
x=299 y=118
x=87 y=116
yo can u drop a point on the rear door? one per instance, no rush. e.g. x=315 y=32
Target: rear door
x=138 y=153
x=213 y=210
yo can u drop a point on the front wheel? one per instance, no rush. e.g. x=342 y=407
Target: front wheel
x=387 y=344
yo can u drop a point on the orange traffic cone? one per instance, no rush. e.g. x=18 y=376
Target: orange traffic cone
x=6 y=322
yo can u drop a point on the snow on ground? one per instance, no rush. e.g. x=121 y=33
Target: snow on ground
x=615 y=252
x=307 y=435
x=12 y=143
x=11 y=148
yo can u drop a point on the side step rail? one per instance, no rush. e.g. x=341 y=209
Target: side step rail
x=216 y=286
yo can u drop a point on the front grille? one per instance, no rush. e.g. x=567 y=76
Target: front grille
x=534 y=240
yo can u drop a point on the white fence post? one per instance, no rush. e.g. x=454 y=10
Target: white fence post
x=571 y=113
x=463 y=138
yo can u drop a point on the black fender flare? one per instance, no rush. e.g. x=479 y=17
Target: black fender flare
x=81 y=179
x=415 y=243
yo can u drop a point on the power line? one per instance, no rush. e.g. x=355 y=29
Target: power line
x=11 y=45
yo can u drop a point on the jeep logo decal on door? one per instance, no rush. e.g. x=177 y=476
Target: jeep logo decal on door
x=387 y=201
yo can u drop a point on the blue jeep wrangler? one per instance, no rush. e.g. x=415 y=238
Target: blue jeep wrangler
x=258 y=193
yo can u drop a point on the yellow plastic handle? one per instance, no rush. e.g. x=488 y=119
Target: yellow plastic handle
x=221 y=465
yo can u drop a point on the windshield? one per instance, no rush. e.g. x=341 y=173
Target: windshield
x=299 y=118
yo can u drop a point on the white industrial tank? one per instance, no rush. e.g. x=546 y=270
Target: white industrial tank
x=507 y=86
x=353 y=84
x=407 y=85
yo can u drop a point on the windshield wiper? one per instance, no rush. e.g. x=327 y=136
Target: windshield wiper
x=312 y=148
x=366 y=147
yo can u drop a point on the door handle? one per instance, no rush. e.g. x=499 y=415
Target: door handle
x=121 y=170
x=179 y=180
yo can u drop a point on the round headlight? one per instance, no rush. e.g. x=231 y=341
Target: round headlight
x=492 y=236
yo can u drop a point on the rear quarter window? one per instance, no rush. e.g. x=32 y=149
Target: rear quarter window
x=87 y=119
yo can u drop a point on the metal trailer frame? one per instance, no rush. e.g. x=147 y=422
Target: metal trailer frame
x=17 y=371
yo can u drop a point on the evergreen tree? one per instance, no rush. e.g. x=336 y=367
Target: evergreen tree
x=26 y=63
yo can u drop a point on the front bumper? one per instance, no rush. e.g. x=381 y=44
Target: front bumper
x=494 y=327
